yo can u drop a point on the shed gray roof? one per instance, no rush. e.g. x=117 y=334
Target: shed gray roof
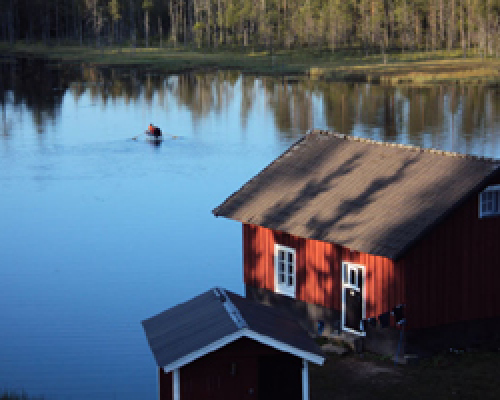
x=191 y=329
x=275 y=323
x=373 y=197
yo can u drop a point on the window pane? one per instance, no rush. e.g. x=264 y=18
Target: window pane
x=290 y=269
x=489 y=196
x=282 y=267
x=281 y=278
x=484 y=203
x=290 y=257
x=360 y=278
x=352 y=277
x=496 y=197
x=290 y=281
x=282 y=255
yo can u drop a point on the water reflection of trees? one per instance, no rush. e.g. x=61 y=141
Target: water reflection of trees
x=31 y=86
x=449 y=117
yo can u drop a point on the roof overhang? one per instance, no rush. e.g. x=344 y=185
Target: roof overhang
x=248 y=333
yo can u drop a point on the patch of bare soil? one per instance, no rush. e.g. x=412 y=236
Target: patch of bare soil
x=352 y=377
x=369 y=370
x=466 y=375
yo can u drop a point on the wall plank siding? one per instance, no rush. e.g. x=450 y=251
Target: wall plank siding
x=319 y=270
x=453 y=272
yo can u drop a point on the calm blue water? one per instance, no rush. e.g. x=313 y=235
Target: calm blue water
x=99 y=231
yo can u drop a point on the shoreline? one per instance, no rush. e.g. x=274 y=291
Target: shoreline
x=410 y=68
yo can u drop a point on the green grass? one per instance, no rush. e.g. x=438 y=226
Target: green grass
x=399 y=68
x=445 y=376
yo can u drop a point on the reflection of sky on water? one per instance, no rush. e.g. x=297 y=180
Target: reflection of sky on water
x=99 y=231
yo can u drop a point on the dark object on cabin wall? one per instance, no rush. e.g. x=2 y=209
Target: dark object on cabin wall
x=398 y=313
x=384 y=319
x=321 y=327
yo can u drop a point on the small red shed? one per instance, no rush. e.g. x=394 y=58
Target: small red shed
x=345 y=230
x=222 y=346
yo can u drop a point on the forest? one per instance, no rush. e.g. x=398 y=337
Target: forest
x=372 y=26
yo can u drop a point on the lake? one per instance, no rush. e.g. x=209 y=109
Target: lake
x=99 y=231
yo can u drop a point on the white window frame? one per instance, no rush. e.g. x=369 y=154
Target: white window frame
x=346 y=283
x=285 y=288
x=495 y=189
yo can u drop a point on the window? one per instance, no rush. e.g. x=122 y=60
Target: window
x=489 y=201
x=284 y=270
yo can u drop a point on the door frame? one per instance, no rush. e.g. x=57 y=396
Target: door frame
x=346 y=266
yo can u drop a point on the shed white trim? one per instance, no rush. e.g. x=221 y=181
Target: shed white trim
x=245 y=332
x=268 y=341
x=176 y=384
x=305 y=380
x=188 y=358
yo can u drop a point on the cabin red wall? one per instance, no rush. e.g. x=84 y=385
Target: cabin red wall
x=214 y=376
x=319 y=270
x=453 y=272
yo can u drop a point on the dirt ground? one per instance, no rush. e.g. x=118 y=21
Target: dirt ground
x=446 y=376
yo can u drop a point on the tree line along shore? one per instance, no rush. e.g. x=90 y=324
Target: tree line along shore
x=373 y=25
x=381 y=41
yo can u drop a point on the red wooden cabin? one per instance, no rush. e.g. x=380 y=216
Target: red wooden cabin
x=344 y=230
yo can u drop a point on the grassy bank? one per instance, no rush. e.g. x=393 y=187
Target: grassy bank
x=398 y=68
x=470 y=375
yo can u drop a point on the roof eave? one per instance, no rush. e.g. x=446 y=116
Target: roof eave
x=447 y=213
x=188 y=358
x=245 y=332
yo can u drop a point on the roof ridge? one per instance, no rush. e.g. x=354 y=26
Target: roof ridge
x=403 y=146
x=231 y=309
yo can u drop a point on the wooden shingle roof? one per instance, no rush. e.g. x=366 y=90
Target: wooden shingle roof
x=369 y=196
